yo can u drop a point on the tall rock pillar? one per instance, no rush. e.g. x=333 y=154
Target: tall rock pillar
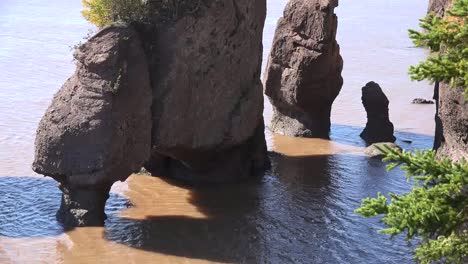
x=207 y=94
x=303 y=75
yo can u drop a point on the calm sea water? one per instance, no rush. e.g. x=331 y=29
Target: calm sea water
x=300 y=212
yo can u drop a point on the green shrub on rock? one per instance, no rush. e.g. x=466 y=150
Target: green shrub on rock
x=104 y=12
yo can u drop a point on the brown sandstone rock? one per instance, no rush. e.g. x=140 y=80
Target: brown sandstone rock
x=451 y=132
x=453 y=115
x=208 y=101
x=303 y=75
x=438 y=7
x=98 y=128
x=378 y=127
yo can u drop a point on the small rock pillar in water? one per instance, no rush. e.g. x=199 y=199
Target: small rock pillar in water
x=378 y=127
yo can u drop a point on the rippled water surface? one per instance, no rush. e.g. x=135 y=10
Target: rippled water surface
x=300 y=212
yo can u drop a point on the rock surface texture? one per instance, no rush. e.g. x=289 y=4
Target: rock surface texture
x=378 y=127
x=438 y=7
x=453 y=115
x=98 y=128
x=303 y=75
x=208 y=100
x=451 y=132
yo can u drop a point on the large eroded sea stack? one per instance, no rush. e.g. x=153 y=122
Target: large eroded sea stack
x=208 y=100
x=98 y=128
x=182 y=96
x=303 y=76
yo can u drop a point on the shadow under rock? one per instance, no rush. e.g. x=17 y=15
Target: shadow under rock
x=252 y=222
x=226 y=234
x=302 y=211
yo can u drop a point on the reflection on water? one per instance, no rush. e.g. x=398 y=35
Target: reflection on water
x=300 y=212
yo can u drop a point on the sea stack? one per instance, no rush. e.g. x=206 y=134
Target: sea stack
x=303 y=75
x=98 y=128
x=181 y=96
x=207 y=93
x=378 y=127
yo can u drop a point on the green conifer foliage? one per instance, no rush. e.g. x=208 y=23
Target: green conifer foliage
x=447 y=38
x=436 y=209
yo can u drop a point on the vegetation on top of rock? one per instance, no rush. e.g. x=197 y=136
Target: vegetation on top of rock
x=103 y=12
x=436 y=209
x=447 y=37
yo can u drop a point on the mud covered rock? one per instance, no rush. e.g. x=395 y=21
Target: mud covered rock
x=422 y=101
x=375 y=150
x=98 y=128
x=303 y=75
x=208 y=100
x=378 y=127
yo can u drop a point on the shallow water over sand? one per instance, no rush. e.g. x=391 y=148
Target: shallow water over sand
x=300 y=212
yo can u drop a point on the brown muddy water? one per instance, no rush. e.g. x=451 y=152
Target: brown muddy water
x=300 y=212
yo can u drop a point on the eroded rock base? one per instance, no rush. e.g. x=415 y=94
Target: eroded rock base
x=224 y=166
x=82 y=206
x=301 y=125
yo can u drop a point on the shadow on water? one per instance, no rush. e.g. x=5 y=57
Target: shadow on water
x=28 y=206
x=227 y=233
x=302 y=211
